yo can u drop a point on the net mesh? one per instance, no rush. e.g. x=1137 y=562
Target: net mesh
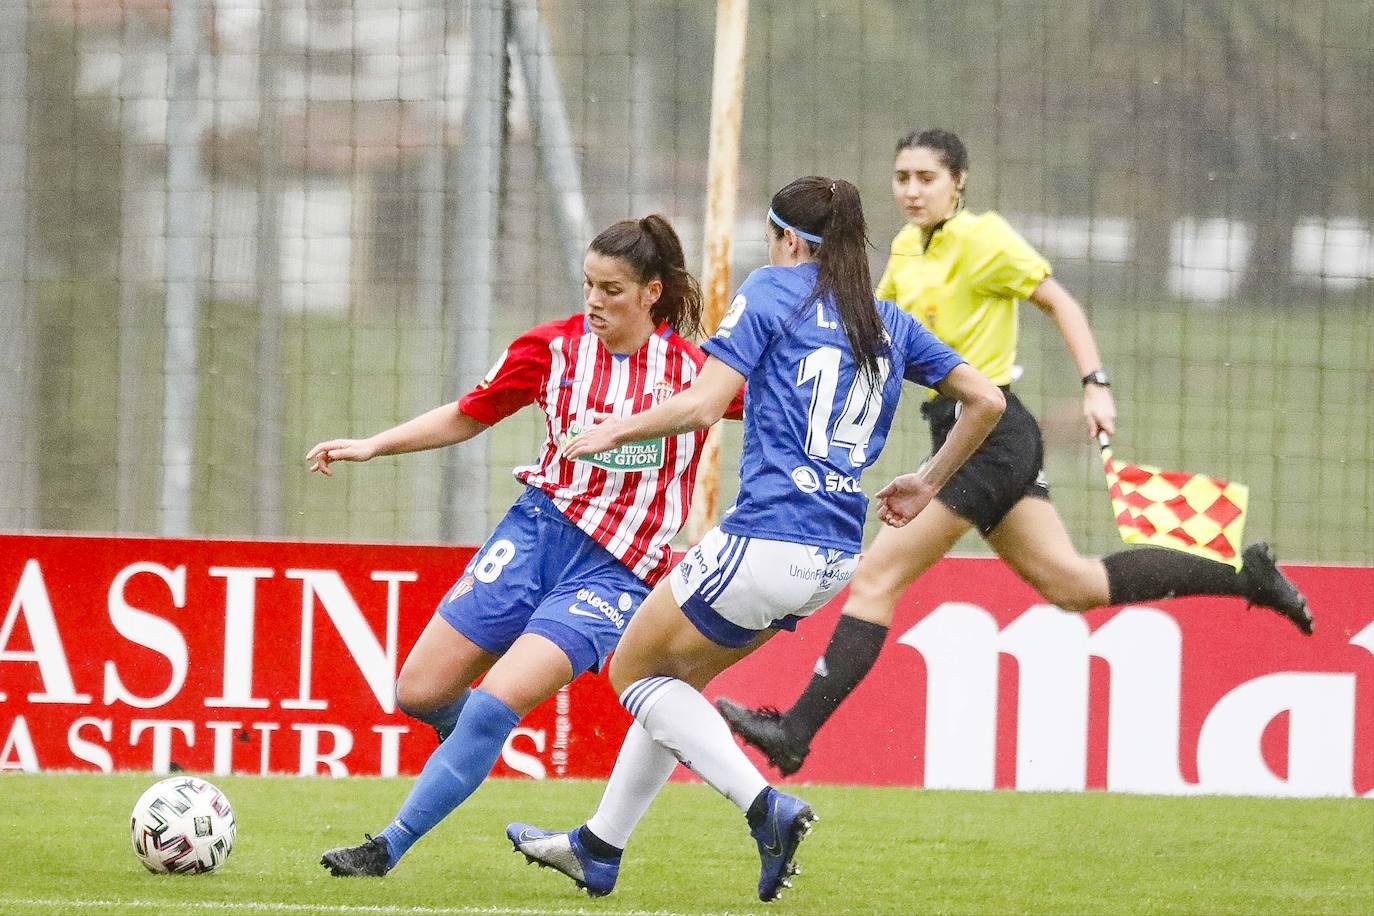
x=230 y=229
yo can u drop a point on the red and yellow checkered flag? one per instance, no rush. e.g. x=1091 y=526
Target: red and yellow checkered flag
x=1191 y=512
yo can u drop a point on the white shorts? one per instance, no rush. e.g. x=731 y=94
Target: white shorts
x=733 y=587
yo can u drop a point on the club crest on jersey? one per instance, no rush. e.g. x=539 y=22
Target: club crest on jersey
x=663 y=390
x=460 y=588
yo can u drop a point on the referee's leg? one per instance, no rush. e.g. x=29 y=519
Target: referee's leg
x=897 y=557
x=1034 y=543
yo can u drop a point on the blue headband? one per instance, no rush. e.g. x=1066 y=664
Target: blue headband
x=783 y=224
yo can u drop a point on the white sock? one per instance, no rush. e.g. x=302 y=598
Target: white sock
x=641 y=769
x=683 y=721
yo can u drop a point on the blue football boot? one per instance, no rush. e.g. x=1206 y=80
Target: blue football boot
x=564 y=852
x=789 y=819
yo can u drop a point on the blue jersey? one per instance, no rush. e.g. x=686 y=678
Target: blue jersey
x=811 y=422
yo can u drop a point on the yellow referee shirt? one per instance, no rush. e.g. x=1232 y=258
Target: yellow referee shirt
x=965 y=284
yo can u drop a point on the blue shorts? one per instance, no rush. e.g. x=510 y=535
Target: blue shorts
x=539 y=573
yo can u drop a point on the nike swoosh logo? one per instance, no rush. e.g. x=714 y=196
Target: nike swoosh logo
x=582 y=612
x=774 y=846
x=527 y=836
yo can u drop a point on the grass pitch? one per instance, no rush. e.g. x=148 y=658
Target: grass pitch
x=64 y=848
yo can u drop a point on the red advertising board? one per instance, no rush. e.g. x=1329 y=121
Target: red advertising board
x=982 y=685
x=250 y=657
x=241 y=656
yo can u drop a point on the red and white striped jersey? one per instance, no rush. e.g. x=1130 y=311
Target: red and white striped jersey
x=632 y=500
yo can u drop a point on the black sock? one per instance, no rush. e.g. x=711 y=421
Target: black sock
x=758 y=808
x=597 y=846
x=1149 y=573
x=853 y=649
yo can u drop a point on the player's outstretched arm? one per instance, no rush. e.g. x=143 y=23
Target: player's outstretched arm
x=705 y=402
x=981 y=405
x=1054 y=300
x=444 y=425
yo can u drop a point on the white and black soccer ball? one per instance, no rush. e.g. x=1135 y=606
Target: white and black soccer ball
x=182 y=826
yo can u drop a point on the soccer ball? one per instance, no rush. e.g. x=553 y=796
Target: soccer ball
x=182 y=826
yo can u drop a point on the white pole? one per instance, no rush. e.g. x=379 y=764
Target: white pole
x=138 y=219
x=267 y=418
x=18 y=366
x=471 y=271
x=727 y=113
x=184 y=225
x=429 y=387
x=554 y=135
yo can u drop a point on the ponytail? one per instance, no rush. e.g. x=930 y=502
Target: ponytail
x=832 y=210
x=651 y=247
x=681 y=302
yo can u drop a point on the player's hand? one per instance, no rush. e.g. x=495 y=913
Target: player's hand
x=903 y=499
x=604 y=435
x=339 y=450
x=1099 y=410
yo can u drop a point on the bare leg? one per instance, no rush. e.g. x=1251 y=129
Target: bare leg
x=660 y=659
x=643 y=766
x=440 y=666
x=529 y=672
x=897 y=557
x=659 y=640
x=1033 y=542
x=433 y=683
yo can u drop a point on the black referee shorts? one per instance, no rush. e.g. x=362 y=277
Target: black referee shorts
x=1007 y=467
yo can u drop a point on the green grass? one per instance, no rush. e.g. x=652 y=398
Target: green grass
x=64 y=848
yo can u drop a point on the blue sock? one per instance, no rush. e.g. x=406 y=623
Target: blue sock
x=453 y=771
x=442 y=719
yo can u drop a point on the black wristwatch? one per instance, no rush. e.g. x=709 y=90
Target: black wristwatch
x=1097 y=377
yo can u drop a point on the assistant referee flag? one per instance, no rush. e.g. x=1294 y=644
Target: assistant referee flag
x=1195 y=513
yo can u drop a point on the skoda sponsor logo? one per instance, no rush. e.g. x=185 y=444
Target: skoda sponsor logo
x=806 y=479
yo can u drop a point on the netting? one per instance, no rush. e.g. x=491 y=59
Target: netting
x=232 y=228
